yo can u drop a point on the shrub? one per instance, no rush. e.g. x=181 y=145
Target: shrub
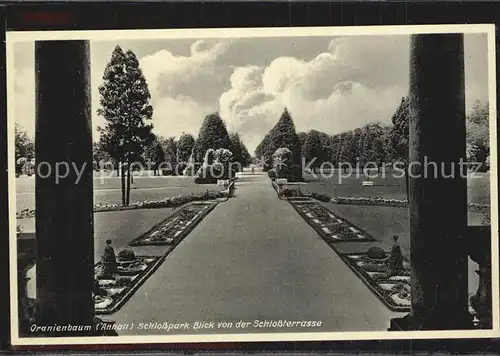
x=290 y=192
x=372 y=267
x=321 y=197
x=126 y=255
x=179 y=168
x=376 y=253
x=191 y=169
x=272 y=173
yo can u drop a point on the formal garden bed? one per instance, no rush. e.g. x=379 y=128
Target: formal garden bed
x=393 y=289
x=169 y=202
x=175 y=227
x=117 y=278
x=288 y=192
x=331 y=227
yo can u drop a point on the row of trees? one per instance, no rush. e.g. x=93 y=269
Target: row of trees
x=374 y=142
x=24 y=149
x=127 y=135
x=369 y=143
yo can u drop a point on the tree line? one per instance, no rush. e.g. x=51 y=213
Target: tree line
x=376 y=143
x=127 y=135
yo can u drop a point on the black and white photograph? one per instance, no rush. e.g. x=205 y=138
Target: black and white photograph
x=257 y=184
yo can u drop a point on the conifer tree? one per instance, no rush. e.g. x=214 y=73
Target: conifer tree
x=124 y=101
x=213 y=134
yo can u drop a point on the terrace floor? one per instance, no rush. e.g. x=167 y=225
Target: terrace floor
x=254 y=258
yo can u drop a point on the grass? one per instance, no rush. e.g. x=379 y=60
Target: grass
x=108 y=191
x=385 y=186
x=120 y=227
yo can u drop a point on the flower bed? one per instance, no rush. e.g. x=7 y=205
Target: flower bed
x=111 y=293
x=169 y=202
x=331 y=227
x=175 y=227
x=394 y=291
x=399 y=203
x=370 y=201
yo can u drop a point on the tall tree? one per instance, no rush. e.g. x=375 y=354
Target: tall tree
x=478 y=138
x=283 y=134
x=124 y=100
x=239 y=150
x=302 y=141
x=400 y=137
x=213 y=134
x=313 y=150
x=159 y=156
x=24 y=148
x=185 y=147
x=24 y=145
x=264 y=152
x=170 y=147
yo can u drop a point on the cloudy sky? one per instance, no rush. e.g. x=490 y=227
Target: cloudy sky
x=331 y=84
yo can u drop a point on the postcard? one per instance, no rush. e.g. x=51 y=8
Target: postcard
x=254 y=184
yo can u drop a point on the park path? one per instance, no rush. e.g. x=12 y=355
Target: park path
x=254 y=258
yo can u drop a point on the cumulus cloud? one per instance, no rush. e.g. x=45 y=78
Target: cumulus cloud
x=198 y=76
x=355 y=81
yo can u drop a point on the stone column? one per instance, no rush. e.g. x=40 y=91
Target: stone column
x=438 y=193
x=64 y=185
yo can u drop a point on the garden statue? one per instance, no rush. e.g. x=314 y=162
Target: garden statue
x=108 y=268
x=395 y=263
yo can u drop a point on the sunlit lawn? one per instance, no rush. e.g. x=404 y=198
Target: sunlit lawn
x=385 y=186
x=107 y=189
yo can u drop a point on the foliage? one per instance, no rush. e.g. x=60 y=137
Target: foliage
x=185 y=147
x=217 y=165
x=240 y=152
x=24 y=148
x=478 y=142
x=282 y=157
x=283 y=134
x=376 y=253
x=313 y=151
x=126 y=255
x=24 y=145
x=290 y=192
x=213 y=134
x=209 y=157
x=170 y=148
x=124 y=104
x=399 y=136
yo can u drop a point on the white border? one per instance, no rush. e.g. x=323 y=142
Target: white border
x=13 y=37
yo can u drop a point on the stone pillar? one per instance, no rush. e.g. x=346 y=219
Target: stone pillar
x=438 y=202
x=64 y=203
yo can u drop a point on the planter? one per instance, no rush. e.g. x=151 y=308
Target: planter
x=110 y=294
x=394 y=291
x=328 y=225
x=175 y=227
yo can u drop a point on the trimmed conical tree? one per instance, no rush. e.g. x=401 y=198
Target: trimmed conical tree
x=283 y=134
x=213 y=134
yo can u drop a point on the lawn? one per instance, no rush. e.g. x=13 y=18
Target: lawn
x=107 y=189
x=385 y=186
x=120 y=227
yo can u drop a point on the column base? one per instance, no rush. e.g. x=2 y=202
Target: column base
x=432 y=322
